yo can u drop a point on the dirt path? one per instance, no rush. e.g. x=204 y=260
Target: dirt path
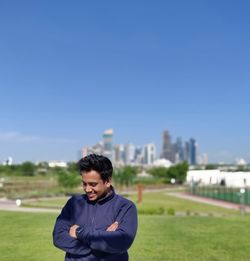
x=10 y=205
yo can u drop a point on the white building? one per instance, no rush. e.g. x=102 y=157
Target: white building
x=119 y=155
x=162 y=163
x=216 y=177
x=149 y=154
x=53 y=164
x=129 y=151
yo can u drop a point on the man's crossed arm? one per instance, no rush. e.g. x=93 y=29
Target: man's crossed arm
x=111 y=228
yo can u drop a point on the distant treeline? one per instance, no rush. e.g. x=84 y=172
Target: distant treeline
x=125 y=176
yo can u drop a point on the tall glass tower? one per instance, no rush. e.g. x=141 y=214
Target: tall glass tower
x=108 y=143
x=193 y=151
x=167 y=147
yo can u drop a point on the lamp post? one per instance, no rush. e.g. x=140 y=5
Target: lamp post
x=172 y=181
x=242 y=201
x=18 y=202
x=140 y=193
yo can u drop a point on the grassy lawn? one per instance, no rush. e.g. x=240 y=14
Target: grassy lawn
x=27 y=236
x=192 y=238
x=152 y=202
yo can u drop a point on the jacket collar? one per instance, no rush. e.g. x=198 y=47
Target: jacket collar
x=106 y=198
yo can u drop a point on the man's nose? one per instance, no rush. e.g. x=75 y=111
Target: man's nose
x=88 y=189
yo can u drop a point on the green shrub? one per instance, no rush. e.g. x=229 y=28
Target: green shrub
x=171 y=211
x=68 y=179
x=152 y=211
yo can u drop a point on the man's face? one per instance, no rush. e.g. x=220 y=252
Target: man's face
x=93 y=185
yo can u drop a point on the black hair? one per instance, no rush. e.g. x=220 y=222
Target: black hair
x=99 y=163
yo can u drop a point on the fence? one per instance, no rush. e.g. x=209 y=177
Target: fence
x=224 y=193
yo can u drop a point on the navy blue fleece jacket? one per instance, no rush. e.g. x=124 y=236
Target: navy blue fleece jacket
x=93 y=242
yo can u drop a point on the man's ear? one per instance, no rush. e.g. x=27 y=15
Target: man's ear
x=109 y=182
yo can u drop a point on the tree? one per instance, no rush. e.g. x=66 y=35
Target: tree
x=158 y=172
x=178 y=172
x=27 y=168
x=125 y=175
x=211 y=166
x=73 y=166
x=68 y=179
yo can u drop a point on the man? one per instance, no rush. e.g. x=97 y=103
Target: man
x=99 y=225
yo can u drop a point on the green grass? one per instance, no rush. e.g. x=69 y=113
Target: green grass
x=152 y=202
x=192 y=238
x=57 y=203
x=165 y=201
x=27 y=236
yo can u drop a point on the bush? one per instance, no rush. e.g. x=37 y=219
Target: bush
x=178 y=172
x=28 y=169
x=171 y=211
x=125 y=176
x=68 y=179
x=152 y=211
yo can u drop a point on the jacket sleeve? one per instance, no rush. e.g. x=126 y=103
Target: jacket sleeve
x=113 y=242
x=61 y=237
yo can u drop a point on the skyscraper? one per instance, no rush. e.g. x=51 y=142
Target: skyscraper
x=149 y=154
x=167 y=147
x=193 y=151
x=187 y=152
x=179 y=149
x=119 y=154
x=107 y=143
x=129 y=153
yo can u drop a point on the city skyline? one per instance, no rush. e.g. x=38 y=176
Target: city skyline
x=131 y=154
x=71 y=70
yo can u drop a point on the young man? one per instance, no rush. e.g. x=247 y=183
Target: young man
x=99 y=225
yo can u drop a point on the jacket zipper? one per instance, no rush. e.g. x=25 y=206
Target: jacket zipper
x=94 y=213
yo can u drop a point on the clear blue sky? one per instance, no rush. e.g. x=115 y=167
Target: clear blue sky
x=71 y=69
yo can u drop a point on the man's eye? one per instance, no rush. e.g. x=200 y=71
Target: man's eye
x=90 y=184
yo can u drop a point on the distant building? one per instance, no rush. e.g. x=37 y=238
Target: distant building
x=119 y=154
x=61 y=164
x=179 y=150
x=162 y=163
x=193 y=151
x=96 y=149
x=187 y=152
x=217 y=177
x=241 y=162
x=202 y=159
x=108 y=143
x=138 y=156
x=167 y=147
x=129 y=153
x=149 y=154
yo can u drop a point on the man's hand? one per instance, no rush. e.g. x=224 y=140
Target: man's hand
x=112 y=227
x=72 y=231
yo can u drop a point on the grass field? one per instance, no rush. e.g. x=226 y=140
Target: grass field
x=27 y=236
x=152 y=202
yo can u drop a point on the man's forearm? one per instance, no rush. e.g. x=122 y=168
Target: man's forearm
x=63 y=240
x=107 y=241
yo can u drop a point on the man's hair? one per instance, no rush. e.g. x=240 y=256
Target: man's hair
x=99 y=163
